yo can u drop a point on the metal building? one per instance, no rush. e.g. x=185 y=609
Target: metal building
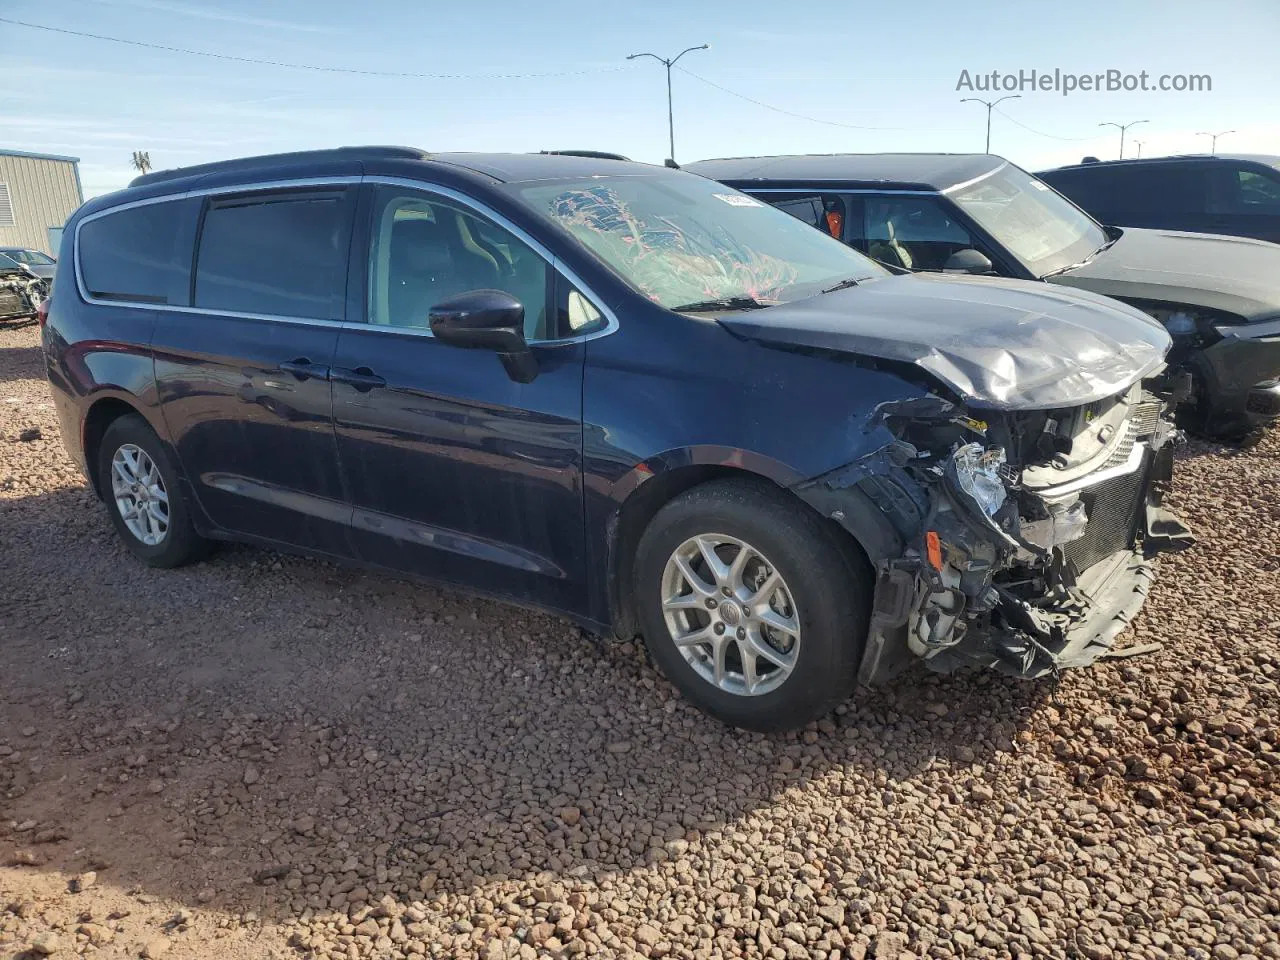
x=38 y=192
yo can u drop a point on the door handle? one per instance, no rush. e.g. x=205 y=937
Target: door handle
x=362 y=378
x=304 y=369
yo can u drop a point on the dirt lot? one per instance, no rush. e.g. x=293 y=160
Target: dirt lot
x=268 y=757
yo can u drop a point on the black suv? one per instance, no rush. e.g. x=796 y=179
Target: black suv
x=1234 y=194
x=976 y=213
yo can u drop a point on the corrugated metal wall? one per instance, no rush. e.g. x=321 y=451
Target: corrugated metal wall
x=44 y=193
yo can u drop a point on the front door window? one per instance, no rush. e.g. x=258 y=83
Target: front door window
x=428 y=250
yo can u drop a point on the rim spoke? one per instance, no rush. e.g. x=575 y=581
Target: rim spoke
x=718 y=651
x=120 y=472
x=159 y=494
x=705 y=635
x=687 y=601
x=699 y=585
x=717 y=567
x=772 y=618
x=747 y=653
x=739 y=566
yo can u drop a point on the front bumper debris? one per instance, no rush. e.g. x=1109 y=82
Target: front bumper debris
x=987 y=571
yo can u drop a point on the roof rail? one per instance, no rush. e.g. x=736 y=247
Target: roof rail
x=278 y=159
x=592 y=154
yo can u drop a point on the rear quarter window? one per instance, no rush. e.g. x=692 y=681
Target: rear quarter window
x=140 y=254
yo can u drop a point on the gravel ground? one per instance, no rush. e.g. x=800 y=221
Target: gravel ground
x=262 y=756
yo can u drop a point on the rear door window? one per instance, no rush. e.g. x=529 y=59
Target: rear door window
x=141 y=254
x=1161 y=188
x=276 y=255
x=827 y=212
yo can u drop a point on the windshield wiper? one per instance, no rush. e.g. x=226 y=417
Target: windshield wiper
x=844 y=284
x=724 y=303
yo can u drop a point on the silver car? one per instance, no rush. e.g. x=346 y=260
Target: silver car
x=41 y=264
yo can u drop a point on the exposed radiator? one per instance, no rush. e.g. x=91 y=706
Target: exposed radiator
x=1114 y=508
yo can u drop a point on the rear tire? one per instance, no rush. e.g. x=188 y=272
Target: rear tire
x=144 y=497
x=773 y=646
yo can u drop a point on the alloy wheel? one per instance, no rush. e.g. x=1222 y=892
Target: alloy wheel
x=730 y=614
x=140 y=494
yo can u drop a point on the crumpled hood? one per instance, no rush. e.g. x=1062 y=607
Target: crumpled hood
x=1001 y=344
x=1236 y=275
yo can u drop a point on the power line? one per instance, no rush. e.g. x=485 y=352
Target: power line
x=310 y=66
x=1041 y=133
x=789 y=113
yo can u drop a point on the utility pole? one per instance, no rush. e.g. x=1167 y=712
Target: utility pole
x=1213 y=139
x=669 y=63
x=1122 y=127
x=990 y=105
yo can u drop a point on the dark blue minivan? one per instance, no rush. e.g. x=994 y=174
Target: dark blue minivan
x=623 y=393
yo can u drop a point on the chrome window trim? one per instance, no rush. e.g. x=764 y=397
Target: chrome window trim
x=266 y=186
x=970 y=182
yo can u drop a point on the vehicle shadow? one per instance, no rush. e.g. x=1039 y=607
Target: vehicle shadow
x=278 y=734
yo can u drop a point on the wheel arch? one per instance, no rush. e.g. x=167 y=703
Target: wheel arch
x=101 y=414
x=656 y=482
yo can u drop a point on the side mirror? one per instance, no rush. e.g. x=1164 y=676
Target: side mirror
x=487 y=320
x=968 y=260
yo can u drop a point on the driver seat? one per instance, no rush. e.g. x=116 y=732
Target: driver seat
x=890 y=251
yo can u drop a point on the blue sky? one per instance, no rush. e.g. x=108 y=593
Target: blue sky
x=892 y=67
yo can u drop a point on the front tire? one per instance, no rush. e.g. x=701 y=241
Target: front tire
x=140 y=487
x=752 y=605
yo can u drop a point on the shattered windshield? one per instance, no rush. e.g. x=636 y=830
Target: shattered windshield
x=682 y=240
x=1029 y=219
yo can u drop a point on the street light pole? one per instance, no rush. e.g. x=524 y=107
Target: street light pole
x=1122 y=127
x=990 y=105
x=1213 y=139
x=1139 y=143
x=669 y=63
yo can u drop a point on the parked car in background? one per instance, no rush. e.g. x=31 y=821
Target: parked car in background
x=21 y=291
x=41 y=264
x=1236 y=194
x=624 y=393
x=1218 y=296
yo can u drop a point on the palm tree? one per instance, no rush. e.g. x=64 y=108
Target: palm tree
x=142 y=161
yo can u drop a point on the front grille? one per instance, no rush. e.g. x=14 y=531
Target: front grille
x=1141 y=424
x=1114 y=507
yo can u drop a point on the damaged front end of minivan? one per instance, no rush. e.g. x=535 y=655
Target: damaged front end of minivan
x=1021 y=540
x=1011 y=500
